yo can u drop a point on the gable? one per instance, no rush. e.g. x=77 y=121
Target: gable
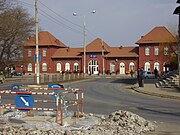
x=97 y=45
x=157 y=35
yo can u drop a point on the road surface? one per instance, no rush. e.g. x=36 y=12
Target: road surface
x=103 y=96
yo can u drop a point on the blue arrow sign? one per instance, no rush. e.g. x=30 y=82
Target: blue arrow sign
x=51 y=85
x=24 y=101
x=15 y=86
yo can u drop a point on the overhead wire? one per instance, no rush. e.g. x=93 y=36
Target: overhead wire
x=56 y=21
x=93 y=35
x=60 y=15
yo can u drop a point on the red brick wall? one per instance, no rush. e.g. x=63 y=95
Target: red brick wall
x=161 y=58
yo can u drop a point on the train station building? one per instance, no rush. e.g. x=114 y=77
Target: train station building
x=151 y=50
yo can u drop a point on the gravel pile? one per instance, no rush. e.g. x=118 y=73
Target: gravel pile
x=117 y=123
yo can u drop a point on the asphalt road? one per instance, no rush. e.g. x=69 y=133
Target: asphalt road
x=103 y=96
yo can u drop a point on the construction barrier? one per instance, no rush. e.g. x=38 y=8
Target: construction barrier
x=25 y=101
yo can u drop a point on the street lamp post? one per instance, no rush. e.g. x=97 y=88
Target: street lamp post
x=84 y=38
x=84 y=31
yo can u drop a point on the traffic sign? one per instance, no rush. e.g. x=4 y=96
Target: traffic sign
x=15 y=86
x=51 y=85
x=24 y=101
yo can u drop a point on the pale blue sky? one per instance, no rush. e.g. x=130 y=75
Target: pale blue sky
x=118 y=22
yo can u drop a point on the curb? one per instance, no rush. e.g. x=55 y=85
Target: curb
x=156 y=94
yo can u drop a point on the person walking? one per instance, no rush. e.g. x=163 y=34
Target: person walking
x=156 y=72
x=140 y=77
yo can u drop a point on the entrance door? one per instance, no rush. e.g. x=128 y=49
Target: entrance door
x=93 y=67
x=122 y=68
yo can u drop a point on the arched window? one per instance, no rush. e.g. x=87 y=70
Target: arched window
x=58 y=67
x=157 y=66
x=147 y=66
x=131 y=66
x=29 y=67
x=112 y=67
x=76 y=67
x=44 y=67
x=93 y=67
x=67 y=67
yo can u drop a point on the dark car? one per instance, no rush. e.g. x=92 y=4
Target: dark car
x=16 y=73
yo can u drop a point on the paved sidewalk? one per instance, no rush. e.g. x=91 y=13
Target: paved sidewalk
x=150 y=89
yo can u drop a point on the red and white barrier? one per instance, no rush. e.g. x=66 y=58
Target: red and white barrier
x=79 y=100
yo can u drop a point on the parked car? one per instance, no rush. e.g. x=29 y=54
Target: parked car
x=149 y=74
x=16 y=73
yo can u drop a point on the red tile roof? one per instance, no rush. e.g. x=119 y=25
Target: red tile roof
x=67 y=53
x=45 y=39
x=123 y=52
x=96 y=46
x=157 y=35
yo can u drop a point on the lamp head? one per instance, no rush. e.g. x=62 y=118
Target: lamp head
x=94 y=11
x=75 y=14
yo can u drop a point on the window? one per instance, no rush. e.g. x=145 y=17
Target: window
x=147 y=66
x=165 y=51
x=112 y=67
x=29 y=53
x=67 y=67
x=131 y=66
x=156 y=51
x=147 y=51
x=156 y=65
x=76 y=67
x=93 y=67
x=58 y=67
x=44 y=67
x=29 y=67
x=44 y=53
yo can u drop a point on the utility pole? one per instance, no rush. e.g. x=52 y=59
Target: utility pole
x=84 y=45
x=37 y=49
x=103 y=56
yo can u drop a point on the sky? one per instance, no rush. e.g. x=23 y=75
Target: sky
x=117 y=22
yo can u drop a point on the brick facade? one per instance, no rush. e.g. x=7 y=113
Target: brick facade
x=119 y=60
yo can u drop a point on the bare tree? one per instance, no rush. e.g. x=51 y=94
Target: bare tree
x=15 y=27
